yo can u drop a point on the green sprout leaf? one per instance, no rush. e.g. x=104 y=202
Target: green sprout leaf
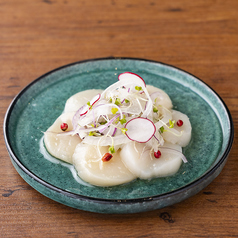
x=127 y=101
x=89 y=104
x=114 y=110
x=155 y=109
x=123 y=120
x=161 y=129
x=92 y=133
x=118 y=101
x=111 y=149
x=171 y=123
x=123 y=130
x=138 y=88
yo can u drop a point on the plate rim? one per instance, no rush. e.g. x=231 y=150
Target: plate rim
x=106 y=200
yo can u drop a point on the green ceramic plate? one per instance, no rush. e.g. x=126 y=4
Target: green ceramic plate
x=37 y=106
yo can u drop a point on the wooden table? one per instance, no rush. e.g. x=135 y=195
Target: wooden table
x=199 y=36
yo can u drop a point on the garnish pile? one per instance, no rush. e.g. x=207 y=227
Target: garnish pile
x=124 y=112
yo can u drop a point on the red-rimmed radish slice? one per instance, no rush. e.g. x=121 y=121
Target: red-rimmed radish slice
x=131 y=77
x=96 y=112
x=81 y=111
x=95 y=99
x=84 y=110
x=92 y=102
x=140 y=129
x=125 y=79
x=79 y=99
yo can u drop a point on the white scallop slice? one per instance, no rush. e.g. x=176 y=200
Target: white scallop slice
x=139 y=159
x=91 y=169
x=59 y=145
x=162 y=98
x=79 y=99
x=179 y=135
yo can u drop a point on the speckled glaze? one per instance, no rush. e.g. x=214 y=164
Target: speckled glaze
x=37 y=106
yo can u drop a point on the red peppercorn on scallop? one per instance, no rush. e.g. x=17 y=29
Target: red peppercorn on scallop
x=142 y=162
x=59 y=143
x=89 y=163
x=181 y=134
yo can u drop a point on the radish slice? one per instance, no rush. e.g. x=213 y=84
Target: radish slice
x=140 y=129
x=95 y=99
x=79 y=99
x=81 y=111
x=84 y=110
x=125 y=80
x=131 y=77
x=92 y=102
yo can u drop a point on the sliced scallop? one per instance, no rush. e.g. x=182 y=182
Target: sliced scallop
x=159 y=97
x=140 y=160
x=92 y=169
x=178 y=135
x=58 y=143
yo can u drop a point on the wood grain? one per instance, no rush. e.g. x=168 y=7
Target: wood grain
x=199 y=36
